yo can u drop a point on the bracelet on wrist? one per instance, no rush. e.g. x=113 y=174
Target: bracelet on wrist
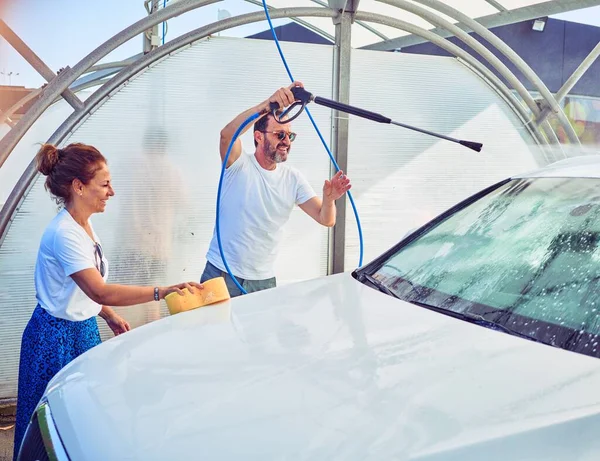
x=156 y=294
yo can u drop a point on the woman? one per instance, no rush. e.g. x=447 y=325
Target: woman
x=70 y=276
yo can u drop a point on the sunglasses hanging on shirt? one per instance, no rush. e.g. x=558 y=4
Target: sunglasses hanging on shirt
x=99 y=255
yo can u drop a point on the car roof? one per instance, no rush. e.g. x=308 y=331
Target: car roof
x=584 y=166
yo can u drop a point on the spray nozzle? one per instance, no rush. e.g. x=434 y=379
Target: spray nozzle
x=303 y=97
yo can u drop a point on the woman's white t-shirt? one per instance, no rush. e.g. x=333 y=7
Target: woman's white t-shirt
x=65 y=249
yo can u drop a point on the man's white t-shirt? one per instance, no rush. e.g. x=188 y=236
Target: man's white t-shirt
x=65 y=249
x=255 y=204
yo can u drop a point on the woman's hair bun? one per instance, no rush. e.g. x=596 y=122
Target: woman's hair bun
x=47 y=158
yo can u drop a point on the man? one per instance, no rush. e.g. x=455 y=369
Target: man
x=258 y=195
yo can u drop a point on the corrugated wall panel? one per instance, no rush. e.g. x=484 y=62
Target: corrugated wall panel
x=160 y=135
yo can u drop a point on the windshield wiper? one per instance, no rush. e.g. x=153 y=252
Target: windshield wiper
x=478 y=319
x=481 y=320
x=465 y=316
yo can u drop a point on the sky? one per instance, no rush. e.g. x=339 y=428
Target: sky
x=61 y=32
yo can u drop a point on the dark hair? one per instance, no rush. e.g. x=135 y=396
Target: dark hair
x=62 y=166
x=261 y=123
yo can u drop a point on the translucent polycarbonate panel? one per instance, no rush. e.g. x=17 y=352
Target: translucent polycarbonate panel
x=160 y=134
x=403 y=178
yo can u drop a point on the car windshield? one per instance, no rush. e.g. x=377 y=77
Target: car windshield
x=524 y=257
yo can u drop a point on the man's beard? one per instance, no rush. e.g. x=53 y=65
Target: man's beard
x=273 y=155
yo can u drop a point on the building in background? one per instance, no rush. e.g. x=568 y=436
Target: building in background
x=10 y=95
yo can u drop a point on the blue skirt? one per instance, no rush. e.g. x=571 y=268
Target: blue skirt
x=48 y=344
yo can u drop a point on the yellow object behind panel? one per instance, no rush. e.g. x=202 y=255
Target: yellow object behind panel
x=215 y=290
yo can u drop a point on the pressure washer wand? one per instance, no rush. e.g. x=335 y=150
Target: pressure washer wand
x=303 y=97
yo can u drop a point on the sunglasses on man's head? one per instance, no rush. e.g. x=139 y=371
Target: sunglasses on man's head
x=282 y=134
x=98 y=254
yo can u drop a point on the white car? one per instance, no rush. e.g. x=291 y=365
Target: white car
x=474 y=338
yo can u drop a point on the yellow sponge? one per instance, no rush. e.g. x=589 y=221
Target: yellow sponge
x=215 y=290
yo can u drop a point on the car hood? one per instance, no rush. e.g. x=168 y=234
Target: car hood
x=326 y=369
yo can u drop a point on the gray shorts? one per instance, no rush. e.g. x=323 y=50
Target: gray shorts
x=210 y=272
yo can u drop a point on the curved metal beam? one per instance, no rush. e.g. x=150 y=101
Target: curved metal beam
x=26 y=180
x=453 y=49
x=112 y=65
x=103 y=70
x=547 y=137
x=574 y=78
x=504 y=71
x=511 y=16
x=306 y=24
x=64 y=79
x=513 y=57
x=97 y=75
x=360 y=23
x=33 y=59
x=89 y=84
x=578 y=73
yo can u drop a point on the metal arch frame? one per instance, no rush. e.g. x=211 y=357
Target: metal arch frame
x=496 y=42
x=487 y=75
x=104 y=92
x=445 y=29
x=61 y=83
x=473 y=44
x=40 y=66
x=496 y=5
x=487 y=55
x=578 y=73
x=318 y=30
x=574 y=78
x=501 y=18
x=360 y=23
x=114 y=64
x=306 y=24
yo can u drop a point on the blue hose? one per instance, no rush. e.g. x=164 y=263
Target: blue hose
x=232 y=142
x=337 y=168
x=218 y=227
